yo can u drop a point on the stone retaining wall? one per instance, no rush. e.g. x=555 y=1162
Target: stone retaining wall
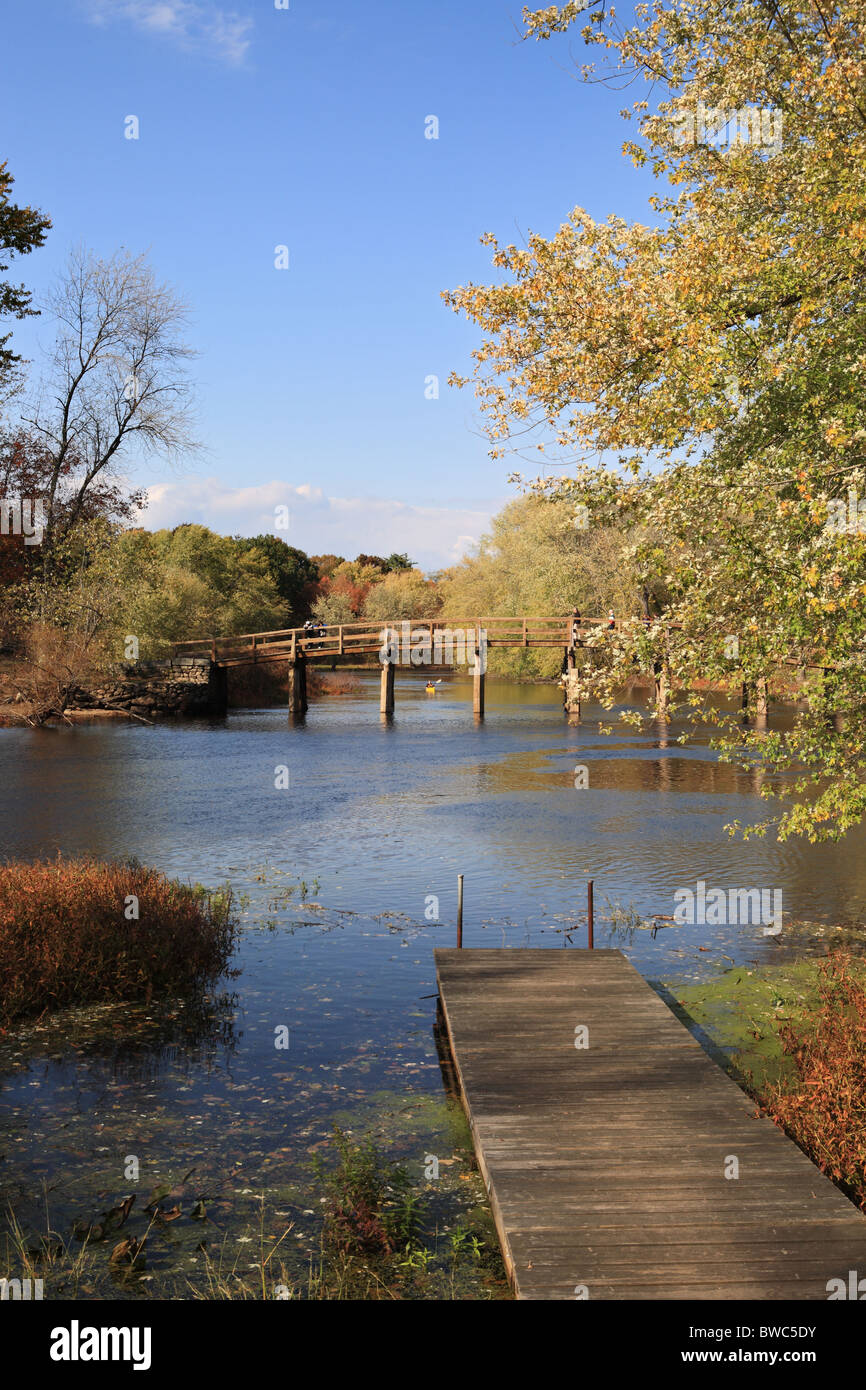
x=157 y=690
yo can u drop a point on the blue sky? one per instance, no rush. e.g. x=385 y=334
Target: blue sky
x=305 y=127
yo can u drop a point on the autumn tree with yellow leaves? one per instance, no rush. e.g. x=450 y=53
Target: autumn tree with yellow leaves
x=702 y=376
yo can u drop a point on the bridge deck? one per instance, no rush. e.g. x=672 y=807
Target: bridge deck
x=365 y=638
x=451 y=640
x=606 y=1165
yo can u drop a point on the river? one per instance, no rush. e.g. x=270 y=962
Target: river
x=341 y=877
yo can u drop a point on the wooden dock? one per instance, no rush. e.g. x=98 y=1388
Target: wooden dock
x=605 y=1154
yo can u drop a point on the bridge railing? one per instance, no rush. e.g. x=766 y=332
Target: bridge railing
x=365 y=636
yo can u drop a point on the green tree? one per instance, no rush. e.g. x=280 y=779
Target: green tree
x=293 y=572
x=536 y=562
x=189 y=583
x=397 y=562
x=22 y=230
x=335 y=606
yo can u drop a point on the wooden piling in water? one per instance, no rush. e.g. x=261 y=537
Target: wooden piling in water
x=218 y=690
x=761 y=698
x=478 y=681
x=834 y=718
x=661 y=689
x=297 y=688
x=386 y=699
x=571 y=695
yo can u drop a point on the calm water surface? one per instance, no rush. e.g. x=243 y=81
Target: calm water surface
x=340 y=875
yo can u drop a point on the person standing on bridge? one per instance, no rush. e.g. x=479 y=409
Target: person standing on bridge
x=611 y=620
x=575 y=627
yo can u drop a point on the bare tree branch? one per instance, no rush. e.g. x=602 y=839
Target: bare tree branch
x=117 y=379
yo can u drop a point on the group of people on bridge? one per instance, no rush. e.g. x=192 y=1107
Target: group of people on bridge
x=314 y=629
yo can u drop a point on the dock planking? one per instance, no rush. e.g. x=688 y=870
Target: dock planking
x=606 y=1164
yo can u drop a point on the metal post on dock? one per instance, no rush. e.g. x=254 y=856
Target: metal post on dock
x=590 y=922
x=459 y=911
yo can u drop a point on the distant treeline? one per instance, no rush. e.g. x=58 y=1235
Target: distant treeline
x=83 y=597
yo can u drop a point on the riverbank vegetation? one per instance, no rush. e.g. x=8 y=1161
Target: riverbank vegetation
x=795 y=1036
x=76 y=931
x=381 y=1235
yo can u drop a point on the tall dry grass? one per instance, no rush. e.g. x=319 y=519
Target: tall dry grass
x=77 y=931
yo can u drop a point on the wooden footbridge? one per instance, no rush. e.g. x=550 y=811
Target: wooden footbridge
x=426 y=642
x=362 y=639
x=621 y=1162
x=417 y=642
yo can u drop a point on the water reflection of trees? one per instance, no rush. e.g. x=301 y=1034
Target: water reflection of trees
x=131 y=1044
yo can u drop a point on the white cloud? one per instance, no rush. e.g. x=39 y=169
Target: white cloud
x=432 y=536
x=205 y=28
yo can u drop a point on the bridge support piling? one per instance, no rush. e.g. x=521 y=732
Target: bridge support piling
x=386 y=700
x=478 y=687
x=761 y=698
x=297 y=688
x=571 y=695
x=661 y=689
x=218 y=690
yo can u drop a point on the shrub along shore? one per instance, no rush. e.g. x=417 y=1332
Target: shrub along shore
x=794 y=1036
x=75 y=931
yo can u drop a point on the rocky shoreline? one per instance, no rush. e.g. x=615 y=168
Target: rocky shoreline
x=157 y=691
